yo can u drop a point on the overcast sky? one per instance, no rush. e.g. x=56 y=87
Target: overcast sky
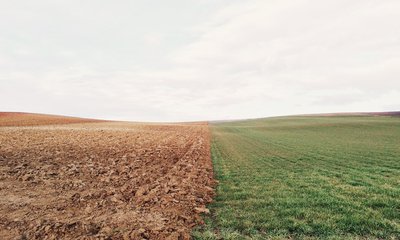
x=180 y=60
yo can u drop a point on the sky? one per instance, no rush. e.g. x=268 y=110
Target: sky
x=188 y=60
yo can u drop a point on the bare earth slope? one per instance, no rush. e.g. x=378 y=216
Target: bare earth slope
x=33 y=119
x=103 y=180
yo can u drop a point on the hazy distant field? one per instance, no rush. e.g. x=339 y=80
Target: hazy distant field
x=306 y=177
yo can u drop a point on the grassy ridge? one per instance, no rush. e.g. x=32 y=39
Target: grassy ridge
x=306 y=178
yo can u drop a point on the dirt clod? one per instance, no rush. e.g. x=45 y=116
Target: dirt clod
x=201 y=210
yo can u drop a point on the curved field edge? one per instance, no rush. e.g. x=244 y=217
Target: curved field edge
x=306 y=178
x=9 y=119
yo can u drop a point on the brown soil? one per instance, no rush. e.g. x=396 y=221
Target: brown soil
x=32 y=119
x=103 y=181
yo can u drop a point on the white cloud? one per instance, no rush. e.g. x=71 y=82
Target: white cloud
x=219 y=59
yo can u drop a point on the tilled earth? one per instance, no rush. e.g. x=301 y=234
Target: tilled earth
x=32 y=119
x=105 y=180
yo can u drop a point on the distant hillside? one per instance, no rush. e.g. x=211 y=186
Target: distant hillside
x=390 y=114
x=32 y=119
x=394 y=114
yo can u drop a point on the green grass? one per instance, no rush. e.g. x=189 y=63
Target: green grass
x=306 y=178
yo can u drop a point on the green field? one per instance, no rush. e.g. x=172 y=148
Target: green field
x=306 y=178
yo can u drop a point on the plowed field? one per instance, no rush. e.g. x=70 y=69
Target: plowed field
x=103 y=180
x=31 y=119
